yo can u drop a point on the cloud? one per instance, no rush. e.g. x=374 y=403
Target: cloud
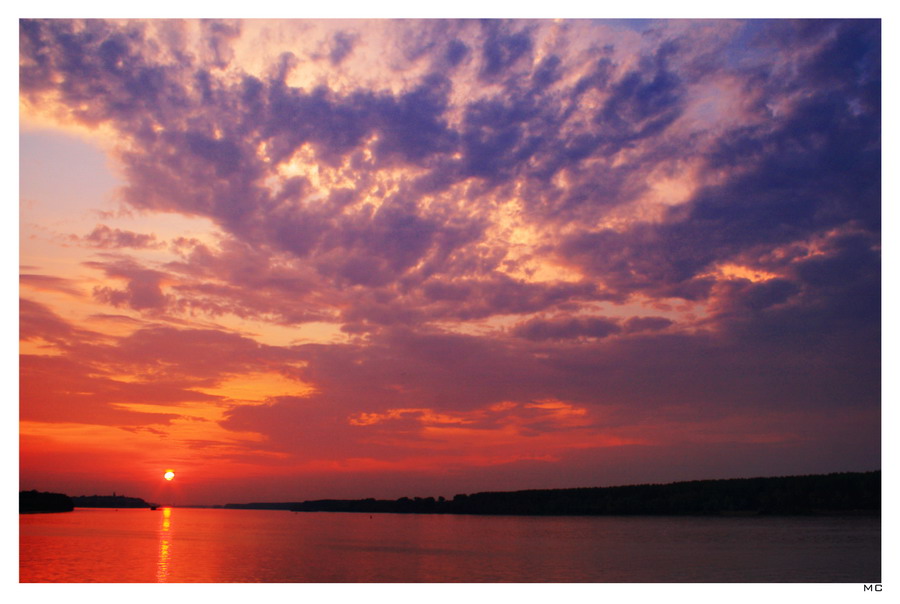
x=59 y=389
x=143 y=290
x=37 y=321
x=503 y=48
x=572 y=138
x=343 y=46
x=491 y=215
x=566 y=328
x=643 y=102
x=636 y=324
x=104 y=237
x=49 y=283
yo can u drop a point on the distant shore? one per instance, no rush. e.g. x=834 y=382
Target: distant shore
x=35 y=502
x=109 y=501
x=848 y=493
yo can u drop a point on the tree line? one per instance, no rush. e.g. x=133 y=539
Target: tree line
x=849 y=492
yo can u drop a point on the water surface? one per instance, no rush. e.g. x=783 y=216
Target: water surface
x=222 y=546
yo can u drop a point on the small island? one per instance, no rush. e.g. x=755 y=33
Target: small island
x=35 y=502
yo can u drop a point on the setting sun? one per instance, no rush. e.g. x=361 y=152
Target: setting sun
x=169 y=475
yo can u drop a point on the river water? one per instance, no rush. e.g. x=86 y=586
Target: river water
x=185 y=545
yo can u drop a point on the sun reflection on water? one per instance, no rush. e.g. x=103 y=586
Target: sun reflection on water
x=162 y=563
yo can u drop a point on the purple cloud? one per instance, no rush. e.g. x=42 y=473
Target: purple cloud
x=106 y=238
x=566 y=328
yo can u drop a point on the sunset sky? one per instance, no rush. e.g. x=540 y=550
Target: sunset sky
x=302 y=259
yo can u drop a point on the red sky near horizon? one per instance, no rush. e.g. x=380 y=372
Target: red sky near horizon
x=307 y=259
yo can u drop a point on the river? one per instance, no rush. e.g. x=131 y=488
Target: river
x=187 y=545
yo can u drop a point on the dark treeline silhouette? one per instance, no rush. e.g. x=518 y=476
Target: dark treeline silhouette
x=841 y=493
x=260 y=506
x=34 y=501
x=848 y=492
x=109 y=501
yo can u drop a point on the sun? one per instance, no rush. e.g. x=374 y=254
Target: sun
x=169 y=475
